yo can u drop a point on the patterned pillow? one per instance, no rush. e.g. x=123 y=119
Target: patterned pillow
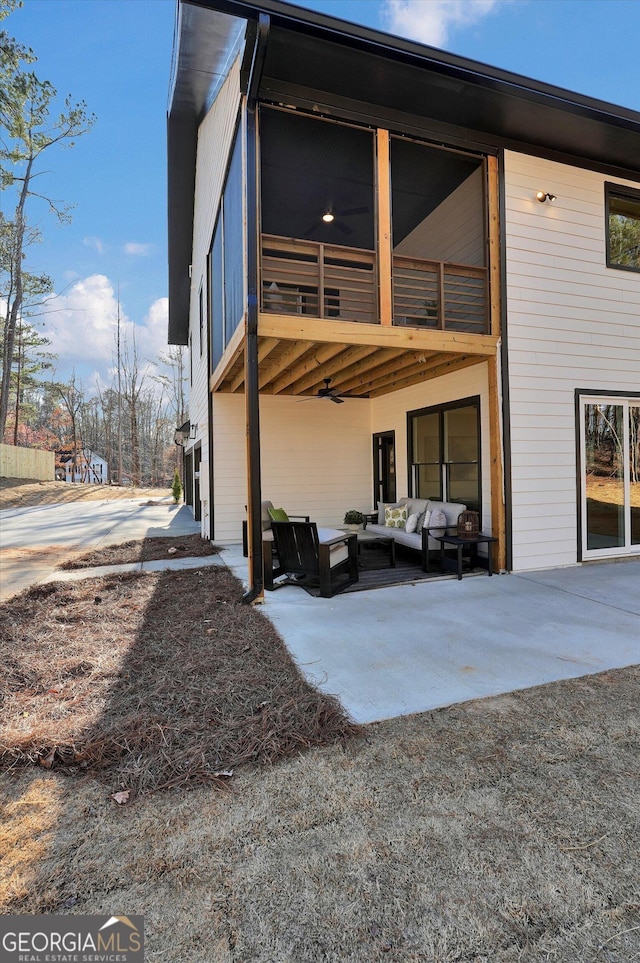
x=382 y=507
x=423 y=521
x=412 y=522
x=395 y=517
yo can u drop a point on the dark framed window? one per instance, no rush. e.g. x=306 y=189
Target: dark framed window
x=201 y=317
x=623 y=227
x=444 y=452
x=216 y=295
x=226 y=267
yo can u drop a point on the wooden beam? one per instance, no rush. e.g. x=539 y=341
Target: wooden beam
x=231 y=354
x=310 y=364
x=237 y=381
x=296 y=328
x=447 y=367
x=386 y=360
x=385 y=235
x=494 y=246
x=421 y=368
x=265 y=347
x=347 y=357
x=498 y=514
x=288 y=357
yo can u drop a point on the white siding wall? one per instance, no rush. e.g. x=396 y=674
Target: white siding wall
x=214 y=144
x=315 y=456
x=572 y=323
x=389 y=413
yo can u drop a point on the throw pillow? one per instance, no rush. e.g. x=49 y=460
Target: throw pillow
x=278 y=515
x=382 y=506
x=395 y=517
x=412 y=523
x=423 y=521
x=438 y=523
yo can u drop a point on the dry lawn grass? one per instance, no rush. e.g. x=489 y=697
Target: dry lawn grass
x=505 y=830
x=498 y=831
x=23 y=492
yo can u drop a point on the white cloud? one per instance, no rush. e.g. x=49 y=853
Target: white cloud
x=138 y=250
x=430 y=21
x=151 y=335
x=96 y=243
x=82 y=325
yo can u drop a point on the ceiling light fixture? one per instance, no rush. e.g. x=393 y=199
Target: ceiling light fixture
x=542 y=196
x=328 y=217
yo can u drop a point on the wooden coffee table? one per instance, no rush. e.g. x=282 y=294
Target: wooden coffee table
x=371 y=539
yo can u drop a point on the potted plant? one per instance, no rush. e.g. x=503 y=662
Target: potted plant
x=353 y=519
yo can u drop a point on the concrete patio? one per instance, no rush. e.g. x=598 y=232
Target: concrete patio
x=413 y=648
x=408 y=648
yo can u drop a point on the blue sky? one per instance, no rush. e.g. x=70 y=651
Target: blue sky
x=116 y=55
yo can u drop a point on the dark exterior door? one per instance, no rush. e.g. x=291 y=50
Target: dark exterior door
x=384 y=467
x=188 y=479
x=197 y=504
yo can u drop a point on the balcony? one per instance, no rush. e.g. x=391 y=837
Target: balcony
x=330 y=281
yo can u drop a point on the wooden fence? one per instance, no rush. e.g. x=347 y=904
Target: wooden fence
x=26 y=463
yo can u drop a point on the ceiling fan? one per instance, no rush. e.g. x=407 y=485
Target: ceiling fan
x=334 y=216
x=327 y=392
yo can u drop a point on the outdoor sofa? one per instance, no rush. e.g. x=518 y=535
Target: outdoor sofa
x=442 y=517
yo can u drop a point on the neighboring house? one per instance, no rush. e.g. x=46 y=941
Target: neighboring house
x=457 y=248
x=89 y=467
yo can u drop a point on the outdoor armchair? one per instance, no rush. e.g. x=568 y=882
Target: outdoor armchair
x=309 y=555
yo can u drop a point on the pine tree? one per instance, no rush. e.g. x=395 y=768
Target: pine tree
x=176 y=488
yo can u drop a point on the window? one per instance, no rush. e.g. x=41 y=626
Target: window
x=226 y=267
x=623 y=227
x=444 y=453
x=216 y=295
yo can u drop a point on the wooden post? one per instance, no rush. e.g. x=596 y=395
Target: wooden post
x=498 y=519
x=494 y=246
x=385 y=242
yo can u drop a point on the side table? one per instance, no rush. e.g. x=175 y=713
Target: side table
x=455 y=565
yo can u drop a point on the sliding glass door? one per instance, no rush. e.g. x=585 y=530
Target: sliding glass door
x=610 y=469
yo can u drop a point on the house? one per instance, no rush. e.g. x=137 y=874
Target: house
x=453 y=248
x=87 y=467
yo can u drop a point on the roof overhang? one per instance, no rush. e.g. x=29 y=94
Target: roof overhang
x=325 y=63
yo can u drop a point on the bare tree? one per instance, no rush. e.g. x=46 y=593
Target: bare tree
x=71 y=396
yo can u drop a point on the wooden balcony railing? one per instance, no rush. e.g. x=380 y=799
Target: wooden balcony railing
x=331 y=281
x=321 y=280
x=434 y=294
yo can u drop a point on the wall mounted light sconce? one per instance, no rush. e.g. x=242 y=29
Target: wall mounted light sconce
x=181 y=435
x=542 y=196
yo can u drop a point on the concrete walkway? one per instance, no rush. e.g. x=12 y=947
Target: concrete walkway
x=33 y=541
x=393 y=651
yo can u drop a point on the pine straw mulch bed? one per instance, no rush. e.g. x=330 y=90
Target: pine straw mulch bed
x=144 y=550
x=152 y=681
